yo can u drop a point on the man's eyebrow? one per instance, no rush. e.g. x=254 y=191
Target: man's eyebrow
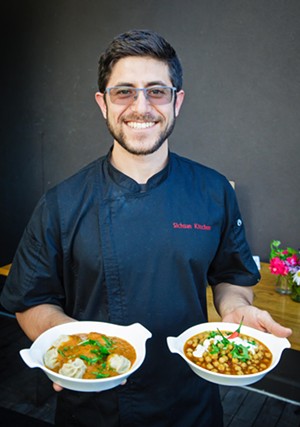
x=156 y=83
x=123 y=84
x=149 y=84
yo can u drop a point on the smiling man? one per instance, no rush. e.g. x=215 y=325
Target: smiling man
x=135 y=237
x=140 y=112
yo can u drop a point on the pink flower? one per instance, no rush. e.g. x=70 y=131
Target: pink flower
x=277 y=266
x=292 y=260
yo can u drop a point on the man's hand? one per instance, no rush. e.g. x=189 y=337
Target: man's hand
x=57 y=387
x=233 y=302
x=258 y=319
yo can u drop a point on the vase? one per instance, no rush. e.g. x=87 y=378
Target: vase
x=284 y=284
x=295 y=292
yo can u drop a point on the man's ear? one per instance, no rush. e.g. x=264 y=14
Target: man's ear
x=179 y=101
x=99 y=97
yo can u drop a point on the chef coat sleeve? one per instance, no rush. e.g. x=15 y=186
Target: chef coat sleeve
x=233 y=262
x=35 y=276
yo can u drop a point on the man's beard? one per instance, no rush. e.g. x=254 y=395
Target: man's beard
x=139 y=150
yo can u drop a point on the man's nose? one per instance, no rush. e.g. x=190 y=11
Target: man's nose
x=140 y=102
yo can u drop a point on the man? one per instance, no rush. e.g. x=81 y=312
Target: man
x=134 y=237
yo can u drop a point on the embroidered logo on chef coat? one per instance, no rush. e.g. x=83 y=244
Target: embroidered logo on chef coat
x=194 y=226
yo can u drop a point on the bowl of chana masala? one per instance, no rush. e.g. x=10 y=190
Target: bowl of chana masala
x=88 y=356
x=228 y=353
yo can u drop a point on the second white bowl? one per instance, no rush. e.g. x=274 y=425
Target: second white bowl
x=275 y=344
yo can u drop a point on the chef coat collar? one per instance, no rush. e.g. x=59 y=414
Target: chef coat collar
x=130 y=184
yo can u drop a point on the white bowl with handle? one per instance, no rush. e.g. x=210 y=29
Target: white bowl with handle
x=135 y=334
x=275 y=344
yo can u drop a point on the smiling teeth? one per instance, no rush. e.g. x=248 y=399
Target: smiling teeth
x=138 y=125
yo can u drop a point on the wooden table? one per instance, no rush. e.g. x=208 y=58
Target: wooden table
x=281 y=307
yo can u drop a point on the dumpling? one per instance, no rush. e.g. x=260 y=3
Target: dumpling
x=119 y=363
x=61 y=339
x=74 y=368
x=50 y=358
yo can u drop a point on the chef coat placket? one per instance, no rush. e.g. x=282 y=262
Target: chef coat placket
x=108 y=204
x=117 y=309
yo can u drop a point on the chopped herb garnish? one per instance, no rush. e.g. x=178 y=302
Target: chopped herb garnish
x=214 y=349
x=109 y=342
x=212 y=334
x=103 y=349
x=225 y=341
x=90 y=360
x=240 y=352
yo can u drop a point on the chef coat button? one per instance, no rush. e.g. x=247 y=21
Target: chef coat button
x=239 y=222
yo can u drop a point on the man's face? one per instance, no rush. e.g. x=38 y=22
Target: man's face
x=140 y=127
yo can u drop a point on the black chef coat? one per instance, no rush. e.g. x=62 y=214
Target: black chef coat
x=104 y=247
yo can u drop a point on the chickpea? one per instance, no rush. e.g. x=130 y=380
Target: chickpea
x=223 y=361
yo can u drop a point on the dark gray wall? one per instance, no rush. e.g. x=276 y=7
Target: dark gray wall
x=241 y=113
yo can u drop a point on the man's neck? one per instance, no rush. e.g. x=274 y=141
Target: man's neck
x=139 y=167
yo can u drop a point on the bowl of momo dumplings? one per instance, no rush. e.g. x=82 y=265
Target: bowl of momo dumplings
x=88 y=356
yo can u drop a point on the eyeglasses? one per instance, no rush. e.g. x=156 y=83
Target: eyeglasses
x=157 y=95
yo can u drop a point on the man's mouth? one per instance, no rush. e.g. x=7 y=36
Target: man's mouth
x=140 y=125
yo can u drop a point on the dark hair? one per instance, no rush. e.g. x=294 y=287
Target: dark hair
x=139 y=43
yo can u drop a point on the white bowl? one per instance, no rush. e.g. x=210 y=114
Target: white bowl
x=135 y=334
x=276 y=346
